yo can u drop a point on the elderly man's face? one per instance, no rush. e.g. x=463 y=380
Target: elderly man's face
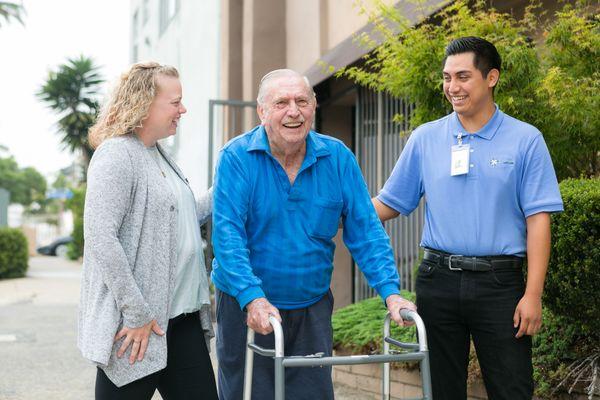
x=288 y=111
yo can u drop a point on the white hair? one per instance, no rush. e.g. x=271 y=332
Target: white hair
x=278 y=73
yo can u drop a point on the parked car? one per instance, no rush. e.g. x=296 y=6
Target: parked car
x=58 y=248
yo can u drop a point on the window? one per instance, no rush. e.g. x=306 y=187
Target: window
x=145 y=12
x=168 y=10
x=134 y=53
x=134 y=26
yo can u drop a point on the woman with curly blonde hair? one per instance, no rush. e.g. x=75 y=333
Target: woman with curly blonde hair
x=144 y=315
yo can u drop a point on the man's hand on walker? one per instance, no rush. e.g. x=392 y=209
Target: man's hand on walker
x=258 y=315
x=138 y=339
x=395 y=303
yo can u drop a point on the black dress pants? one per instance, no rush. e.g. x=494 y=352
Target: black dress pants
x=188 y=374
x=457 y=305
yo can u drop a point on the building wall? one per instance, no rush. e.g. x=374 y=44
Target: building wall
x=190 y=41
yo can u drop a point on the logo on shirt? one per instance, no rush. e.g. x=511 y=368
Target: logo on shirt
x=498 y=161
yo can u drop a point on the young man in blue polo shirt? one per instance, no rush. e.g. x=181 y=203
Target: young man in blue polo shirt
x=490 y=187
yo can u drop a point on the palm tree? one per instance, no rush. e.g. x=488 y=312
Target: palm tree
x=10 y=11
x=72 y=91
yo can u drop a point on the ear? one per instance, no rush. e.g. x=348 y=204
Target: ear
x=493 y=77
x=262 y=113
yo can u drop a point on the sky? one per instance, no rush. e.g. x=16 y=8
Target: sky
x=54 y=31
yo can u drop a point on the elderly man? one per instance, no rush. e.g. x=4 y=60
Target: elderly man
x=280 y=191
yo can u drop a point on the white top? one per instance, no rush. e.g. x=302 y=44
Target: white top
x=191 y=281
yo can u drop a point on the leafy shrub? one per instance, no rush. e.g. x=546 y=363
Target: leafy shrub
x=573 y=281
x=76 y=204
x=14 y=256
x=358 y=327
x=553 y=350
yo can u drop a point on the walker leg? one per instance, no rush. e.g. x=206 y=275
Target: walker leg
x=279 y=379
x=248 y=370
x=426 y=377
x=385 y=389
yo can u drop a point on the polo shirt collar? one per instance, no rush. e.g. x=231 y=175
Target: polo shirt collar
x=315 y=146
x=486 y=132
x=259 y=140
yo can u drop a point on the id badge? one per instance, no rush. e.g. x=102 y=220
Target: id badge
x=459 y=160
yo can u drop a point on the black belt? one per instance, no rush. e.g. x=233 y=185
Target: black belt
x=457 y=262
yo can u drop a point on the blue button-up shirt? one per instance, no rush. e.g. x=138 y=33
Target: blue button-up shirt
x=482 y=212
x=275 y=240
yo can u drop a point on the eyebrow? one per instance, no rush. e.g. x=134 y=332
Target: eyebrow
x=458 y=72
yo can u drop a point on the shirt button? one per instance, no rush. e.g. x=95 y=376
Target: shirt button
x=472 y=150
x=172 y=208
x=471 y=165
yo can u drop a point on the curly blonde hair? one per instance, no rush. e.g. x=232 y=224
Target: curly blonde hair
x=129 y=101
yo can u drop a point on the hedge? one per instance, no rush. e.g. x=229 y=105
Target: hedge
x=573 y=282
x=14 y=255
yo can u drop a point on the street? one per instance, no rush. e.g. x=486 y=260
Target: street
x=38 y=336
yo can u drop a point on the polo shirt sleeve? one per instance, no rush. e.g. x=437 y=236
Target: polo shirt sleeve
x=404 y=188
x=364 y=234
x=232 y=271
x=539 y=190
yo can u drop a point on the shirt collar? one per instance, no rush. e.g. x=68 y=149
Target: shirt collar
x=315 y=146
x=486 y=132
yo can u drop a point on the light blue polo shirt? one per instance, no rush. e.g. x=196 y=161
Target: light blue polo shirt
x=482 y=212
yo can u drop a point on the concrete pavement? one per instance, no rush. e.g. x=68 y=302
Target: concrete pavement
x=39 y=359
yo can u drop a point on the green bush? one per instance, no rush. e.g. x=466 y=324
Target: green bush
x=358 y=327
x=554 y=349
x=573 y=282
x=76 y=204
x=14 y=257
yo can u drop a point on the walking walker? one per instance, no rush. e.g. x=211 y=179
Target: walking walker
x=413 y=352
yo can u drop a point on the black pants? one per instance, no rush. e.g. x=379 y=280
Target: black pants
x=456 y=305
x=305 y=331
x=188 y=375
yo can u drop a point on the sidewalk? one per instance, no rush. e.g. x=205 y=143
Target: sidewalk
x=38 y=333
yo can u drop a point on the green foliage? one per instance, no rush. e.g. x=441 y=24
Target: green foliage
x=572 y=284
x=10 y=10
x=76 y=205
x=14 y=257
x=72 y=91
x=554 y=85
x=570 y=92
x=561 y=358
x=26 y=185
x=358 y=327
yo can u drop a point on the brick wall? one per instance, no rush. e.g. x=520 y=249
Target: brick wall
x=404 y=384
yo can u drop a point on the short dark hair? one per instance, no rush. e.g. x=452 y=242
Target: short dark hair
x=486 y=54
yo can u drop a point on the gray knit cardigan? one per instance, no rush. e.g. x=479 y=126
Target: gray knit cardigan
x=129 y=257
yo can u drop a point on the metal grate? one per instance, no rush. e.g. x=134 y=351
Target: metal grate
x=378 y=145
x=226 y=120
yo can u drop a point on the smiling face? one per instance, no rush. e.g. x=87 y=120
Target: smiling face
x=287 y=111
x=465 y=87
x=165 y=110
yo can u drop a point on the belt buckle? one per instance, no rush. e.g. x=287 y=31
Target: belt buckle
x=450 y=262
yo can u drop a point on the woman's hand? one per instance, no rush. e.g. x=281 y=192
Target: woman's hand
x=138 y=338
